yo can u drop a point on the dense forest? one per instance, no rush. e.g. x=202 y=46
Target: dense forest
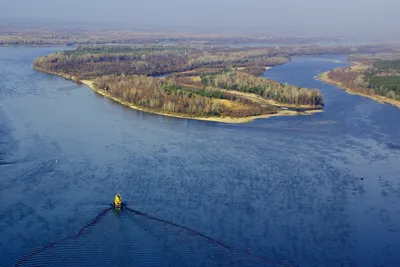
x=93 y=61
x=384 y=78
x=153 y=60
x=380 y=75
x=167 y=95
x=282 y=93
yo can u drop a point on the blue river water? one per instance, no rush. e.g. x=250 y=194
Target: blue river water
x=320 y=190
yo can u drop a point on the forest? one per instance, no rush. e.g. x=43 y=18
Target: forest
x=384 y=78
x=167 y=95
x=380 y=75
x=282 y=93
x=152 y=60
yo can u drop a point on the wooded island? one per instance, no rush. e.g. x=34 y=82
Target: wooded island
x=197 y=81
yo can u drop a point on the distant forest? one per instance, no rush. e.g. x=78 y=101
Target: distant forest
x=153 y=60
x=93 y=61
x=49 y=35
x=384 y=78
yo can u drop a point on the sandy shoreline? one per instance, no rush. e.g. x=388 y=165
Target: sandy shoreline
x=381 y=99
x=89 y=83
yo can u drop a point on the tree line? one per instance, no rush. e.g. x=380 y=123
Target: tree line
x=152 y=60
x=244 y=82
x=171 y=97
x=384 y=78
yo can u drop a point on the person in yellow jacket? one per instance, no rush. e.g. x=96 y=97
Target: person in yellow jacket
x=117 y=202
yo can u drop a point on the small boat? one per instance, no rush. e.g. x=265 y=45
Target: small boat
x=117 y=202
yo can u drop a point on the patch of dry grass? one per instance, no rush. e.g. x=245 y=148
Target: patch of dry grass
x=196 y=78
x=232 y=104
x=359 y=66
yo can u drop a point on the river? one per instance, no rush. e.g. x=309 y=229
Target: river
x=320 y=190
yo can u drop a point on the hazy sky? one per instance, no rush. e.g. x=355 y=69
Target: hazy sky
x=312 y=17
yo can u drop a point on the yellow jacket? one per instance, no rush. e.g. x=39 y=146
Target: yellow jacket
x=117 y=200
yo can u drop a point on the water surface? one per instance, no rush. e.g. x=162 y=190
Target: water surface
x=321 y=190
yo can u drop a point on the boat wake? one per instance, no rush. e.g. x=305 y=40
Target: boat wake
x=213 y=240
x=25 y=261
x=8 y=162
x=81 y=231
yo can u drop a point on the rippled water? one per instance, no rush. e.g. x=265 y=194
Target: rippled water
x=321 y=190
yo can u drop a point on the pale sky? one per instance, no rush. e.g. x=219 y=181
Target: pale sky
x=373 y=18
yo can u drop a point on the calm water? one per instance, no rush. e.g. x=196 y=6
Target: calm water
x=288 y=189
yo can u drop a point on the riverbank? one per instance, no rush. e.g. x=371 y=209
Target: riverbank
x=324 y=77
x=90 y=84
